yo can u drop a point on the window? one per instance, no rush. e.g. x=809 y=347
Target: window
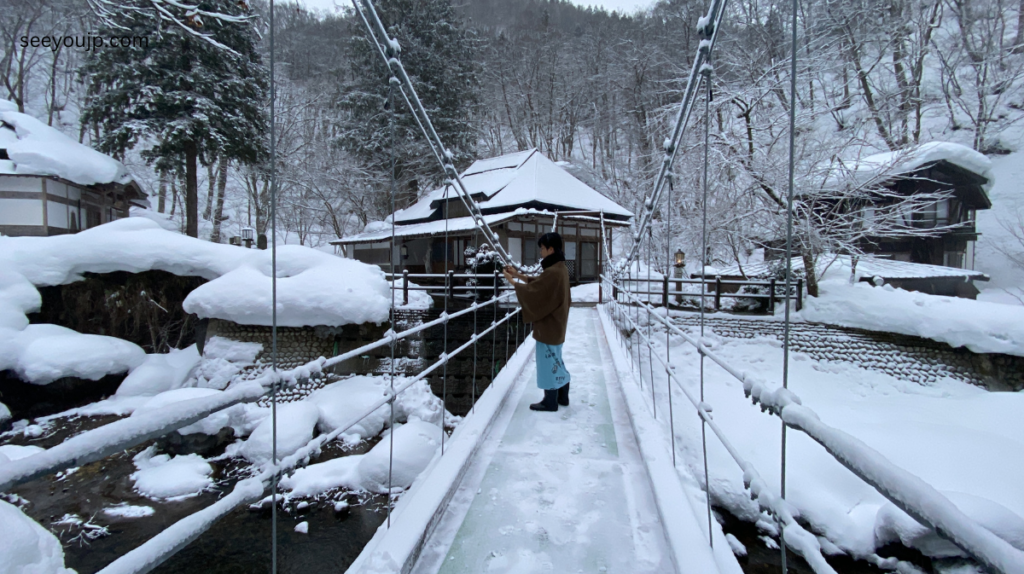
x=515 y=248
x=3 y=154
x=588 y=260
x=74 y=221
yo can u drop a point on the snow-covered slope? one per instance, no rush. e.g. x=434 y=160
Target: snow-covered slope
x=1007 y=197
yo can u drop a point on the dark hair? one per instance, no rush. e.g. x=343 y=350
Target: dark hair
x=551 y=240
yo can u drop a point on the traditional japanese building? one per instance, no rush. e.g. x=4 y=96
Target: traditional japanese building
x=51 y=184
x=520 y=196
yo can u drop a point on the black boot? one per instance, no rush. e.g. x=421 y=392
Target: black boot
x=563 y=395
x=550 y=402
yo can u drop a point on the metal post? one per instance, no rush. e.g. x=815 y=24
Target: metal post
x=799 y=294
x=718 y=292
x=771 y=297
x=600 y=265
x=405 y=286
x=664 y=292
x=451 y=284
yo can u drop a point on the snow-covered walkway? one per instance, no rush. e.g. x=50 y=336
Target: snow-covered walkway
x=556 y=492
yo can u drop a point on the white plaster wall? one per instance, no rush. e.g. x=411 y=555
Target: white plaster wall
x=10 y=183
x=21 y=211
x=56 y=214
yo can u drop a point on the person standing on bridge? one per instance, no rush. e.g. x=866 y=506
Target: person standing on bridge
x=545 y=300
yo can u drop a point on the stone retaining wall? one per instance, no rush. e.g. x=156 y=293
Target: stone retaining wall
x=903 y=356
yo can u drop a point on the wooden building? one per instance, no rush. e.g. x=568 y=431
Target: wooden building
x=520 y=195
x=51 y=184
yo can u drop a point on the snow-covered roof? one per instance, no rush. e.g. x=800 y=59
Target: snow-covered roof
x=313 y=288
x=35 y=148
x=514 y=180
x=866 y=267
x=901 y=162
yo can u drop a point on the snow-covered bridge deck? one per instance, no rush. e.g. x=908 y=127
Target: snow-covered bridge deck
x=570 y=491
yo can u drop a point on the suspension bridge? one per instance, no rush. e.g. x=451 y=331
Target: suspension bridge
x=595 y=487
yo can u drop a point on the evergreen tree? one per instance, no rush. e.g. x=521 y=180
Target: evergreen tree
x=439 y=53
x=185 y=98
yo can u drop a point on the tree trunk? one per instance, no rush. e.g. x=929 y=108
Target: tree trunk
x=1018 y=43
x=191 y=191
x=218 y=213
x=174 y=195
x=211 y=181
x=162 y=197
x=810 y=272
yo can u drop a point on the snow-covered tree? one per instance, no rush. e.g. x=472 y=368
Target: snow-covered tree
x=185 y=99
x=439 y=52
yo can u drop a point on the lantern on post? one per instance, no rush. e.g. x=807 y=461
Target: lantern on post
x=680 y=263
x=248 y=233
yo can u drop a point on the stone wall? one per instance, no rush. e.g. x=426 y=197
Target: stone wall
x=903 y=356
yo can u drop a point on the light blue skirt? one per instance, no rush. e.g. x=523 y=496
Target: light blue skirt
x=551 y=371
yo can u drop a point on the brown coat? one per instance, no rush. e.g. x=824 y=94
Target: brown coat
x=545 y=300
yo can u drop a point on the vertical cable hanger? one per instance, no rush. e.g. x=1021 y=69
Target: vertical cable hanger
x=394 y=314
x=789 y=256
x=668 y=316
x=706 y=73
x=650 y=350
x=273 y=299
x=448 y=279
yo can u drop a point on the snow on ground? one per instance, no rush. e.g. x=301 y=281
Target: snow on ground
x=163 y=477
x=586 y=293
x=223 y=359
x=956 y=437
x=295 y=423
x=314 y=288
x=1007 y=197
x=980 y=326
x=5 y=413
x=129 y=511
x=418 y=299
x=9 y=452
x=26 y=547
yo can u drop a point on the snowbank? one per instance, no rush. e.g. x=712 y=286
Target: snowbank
x=223 y=359
x=211 y=425
x=981 y=327
x=314 y=288
x=26 y=547
x=35 y=148
x=163 y=477
x=418 y=299
x=160 y=372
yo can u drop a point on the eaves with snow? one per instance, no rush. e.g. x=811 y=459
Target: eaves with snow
x=313 y=288
x=34 y=148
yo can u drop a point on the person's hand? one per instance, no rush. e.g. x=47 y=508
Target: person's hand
x=508 y=276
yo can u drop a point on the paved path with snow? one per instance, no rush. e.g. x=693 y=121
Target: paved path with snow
x=559 y=492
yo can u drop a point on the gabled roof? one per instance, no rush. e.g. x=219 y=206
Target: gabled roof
x=522 y=179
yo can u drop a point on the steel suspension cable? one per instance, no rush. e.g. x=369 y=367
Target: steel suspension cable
x=789 y=252
x=394 y=311
x=668 y=314
x=448 y=279
x=708 y=27
x=650 y=359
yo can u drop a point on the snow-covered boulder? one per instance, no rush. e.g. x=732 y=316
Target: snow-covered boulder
x=17 y=451
x=341 y=402
x=295 y=424
x=27 y=547
x=162 y=477
x=41 y=354
x=160 y=372
x=415 y=445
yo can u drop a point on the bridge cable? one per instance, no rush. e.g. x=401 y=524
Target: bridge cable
x=394 y=315
x=448 y=287
x=650 y=326
x=273 y=298
x=668 y=334
x=706 y=73
x=789 y=250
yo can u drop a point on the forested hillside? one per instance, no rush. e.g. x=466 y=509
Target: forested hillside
x=597 y=89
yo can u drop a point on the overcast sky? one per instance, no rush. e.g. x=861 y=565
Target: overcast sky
x=620 y=5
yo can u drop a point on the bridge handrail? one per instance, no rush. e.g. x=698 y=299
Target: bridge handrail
x=158 y=549
x=119 y=435
x=906 y=491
